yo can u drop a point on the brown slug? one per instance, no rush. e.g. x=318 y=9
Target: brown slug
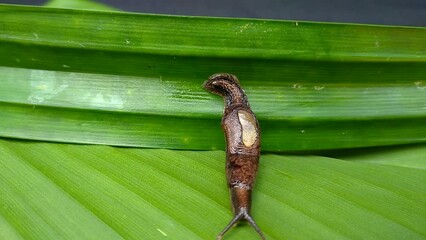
x=242 y=136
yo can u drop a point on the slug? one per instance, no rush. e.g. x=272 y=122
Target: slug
x=242 y=136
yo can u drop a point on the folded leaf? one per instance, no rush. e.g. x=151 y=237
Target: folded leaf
x=413 y=156
x=79 y=4
x=135 y=80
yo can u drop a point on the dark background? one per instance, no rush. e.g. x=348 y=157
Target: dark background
x=389 y=12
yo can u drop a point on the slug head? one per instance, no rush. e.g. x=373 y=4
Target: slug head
x=222 y=84
x=227 y=86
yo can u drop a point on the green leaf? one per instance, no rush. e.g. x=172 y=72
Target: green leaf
x=100 y=192
x=406 y=156
x=135 y=80
x=79 y=4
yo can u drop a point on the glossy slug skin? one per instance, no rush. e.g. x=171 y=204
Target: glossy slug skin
x=242 y=135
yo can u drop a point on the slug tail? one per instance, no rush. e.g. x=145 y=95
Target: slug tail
x=241 y=215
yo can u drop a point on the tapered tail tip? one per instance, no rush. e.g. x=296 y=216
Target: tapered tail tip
x=241 y=215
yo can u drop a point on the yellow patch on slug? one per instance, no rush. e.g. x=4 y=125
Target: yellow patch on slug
x=248 y=124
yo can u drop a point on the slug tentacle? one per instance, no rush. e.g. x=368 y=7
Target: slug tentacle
x=242 y=134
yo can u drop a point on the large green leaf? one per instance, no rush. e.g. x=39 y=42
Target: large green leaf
x=134 y=80
x=52 y=191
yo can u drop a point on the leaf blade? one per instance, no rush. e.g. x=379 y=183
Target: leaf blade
x=296 y=197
